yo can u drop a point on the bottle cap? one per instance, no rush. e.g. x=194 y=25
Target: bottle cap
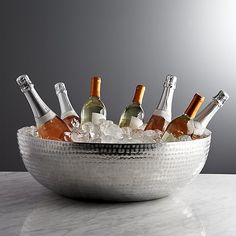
x=170 y=81
x=194 y=105
x=139 y=93
x=221 y=97
x=24 y=82
x=95 y=86
x=60 y=87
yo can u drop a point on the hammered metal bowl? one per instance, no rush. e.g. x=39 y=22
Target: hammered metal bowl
x=113 y=172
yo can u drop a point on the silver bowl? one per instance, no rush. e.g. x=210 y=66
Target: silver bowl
x=113 y=172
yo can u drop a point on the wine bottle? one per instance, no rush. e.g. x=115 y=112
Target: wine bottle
x=94 y=109
x=68 y=114
x=133 y=114
x=161 y=117
x=183 y=125
x=203 y=118
x=49 y=125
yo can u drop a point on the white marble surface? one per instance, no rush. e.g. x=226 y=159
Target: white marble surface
x=205 y=207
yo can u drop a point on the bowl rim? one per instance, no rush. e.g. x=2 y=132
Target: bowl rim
x=20 y=133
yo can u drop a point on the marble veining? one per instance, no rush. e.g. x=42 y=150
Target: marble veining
x=205 y=207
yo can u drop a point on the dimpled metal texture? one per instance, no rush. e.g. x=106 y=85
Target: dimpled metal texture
x=113 y=172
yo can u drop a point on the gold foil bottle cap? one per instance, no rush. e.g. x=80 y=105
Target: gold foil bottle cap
x=194 y=105
x=95 y=86
x=139 y=93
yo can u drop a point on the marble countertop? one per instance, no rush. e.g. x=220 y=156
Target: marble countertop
x=205 y=207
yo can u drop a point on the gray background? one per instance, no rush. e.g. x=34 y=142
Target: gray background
x=126 y=42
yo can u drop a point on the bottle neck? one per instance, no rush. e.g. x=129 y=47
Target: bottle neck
x=139 y=93
x=42 y=113
x=65 y=105
x=207 y=113
x=94 y=97
x=95 y=87
x=164 y=107
x=134 y=103
x=194 y=106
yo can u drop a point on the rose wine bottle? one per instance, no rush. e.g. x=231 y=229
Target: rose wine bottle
x=49 y=125
x=133 y=114
x=161 y=117
x=203 y=118
x=93 y=109
x=68 y=114
x=183 y=125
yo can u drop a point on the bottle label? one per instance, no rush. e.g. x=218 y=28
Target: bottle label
x=43 y=119
x=135 y=123
x=163 y=113
x=96 y=117
x=167 y=137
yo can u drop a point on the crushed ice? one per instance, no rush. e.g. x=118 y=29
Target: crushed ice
x=105 y=131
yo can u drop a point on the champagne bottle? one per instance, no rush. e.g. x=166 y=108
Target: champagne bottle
x=161 y=117
x=68 y=114
x=133 y=114
x=203 y=118
x=49 y=125
x=94 y=109
x=183 y=125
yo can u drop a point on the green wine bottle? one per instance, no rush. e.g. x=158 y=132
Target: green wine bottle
x=93 y=109
x=133 y=114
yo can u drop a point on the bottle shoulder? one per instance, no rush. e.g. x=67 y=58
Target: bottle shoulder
x=134 y=106
x=182 y=118
x=93 y=101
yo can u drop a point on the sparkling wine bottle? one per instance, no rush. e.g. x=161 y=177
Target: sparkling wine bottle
x=183 y=125
x=94 y=109
x=161 y=117
x=68 y=114
x=49 y=125
x=133 y=114
x=203 y=118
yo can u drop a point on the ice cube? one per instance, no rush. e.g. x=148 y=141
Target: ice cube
x=154 y=134
x=108 y=139
x=96 y=117
x=109 y=128
x=105 y=131
x=96 y=140
x=184 y=138
x=33 y=131
x=79 y=137
x=127 y=132
x=91 y=129
x=143 y=126
x=190 y=125
x=135 y=122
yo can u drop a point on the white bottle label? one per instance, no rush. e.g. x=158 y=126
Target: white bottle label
x=165 y=114
x=43 y=119
x=135 y=122
x=167 y=137
x=96 y=117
